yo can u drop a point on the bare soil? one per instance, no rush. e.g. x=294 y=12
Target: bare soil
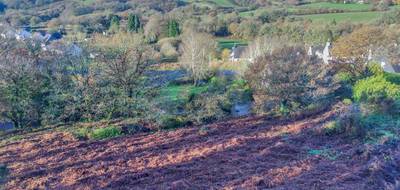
x=247 y=153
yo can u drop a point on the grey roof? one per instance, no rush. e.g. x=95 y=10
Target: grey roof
x=238 y=51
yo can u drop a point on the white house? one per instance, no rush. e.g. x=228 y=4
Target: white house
x=322 y=52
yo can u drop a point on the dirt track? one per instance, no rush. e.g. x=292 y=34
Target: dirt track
x=239 y=154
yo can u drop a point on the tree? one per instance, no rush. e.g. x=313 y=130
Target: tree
x=352 y=51
x=173 y=28
x=123 y=58
x=225 y=54
x=134 y=24
x=197 y=54
x=28 y=82
x=114 y=24
x=287 y=79
x=153 y=28
x=261 y=46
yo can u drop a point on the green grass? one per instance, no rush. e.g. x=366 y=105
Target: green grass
x=358 y=17
x=179 y=92
x=340 y=6
x=247 y=13
x=98 y=133
x=224 y=43
x=106 y=133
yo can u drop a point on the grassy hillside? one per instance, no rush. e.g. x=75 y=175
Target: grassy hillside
x=339 y=6
x=361 y=17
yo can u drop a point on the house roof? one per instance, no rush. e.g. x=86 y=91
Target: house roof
x=238 y=51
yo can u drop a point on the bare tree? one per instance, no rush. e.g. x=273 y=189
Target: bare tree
x=123 y=59
x=153 y=28
x=198 y=49
x=289 y=78
x=260 y=46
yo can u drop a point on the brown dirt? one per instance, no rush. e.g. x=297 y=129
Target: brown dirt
x=248 y=153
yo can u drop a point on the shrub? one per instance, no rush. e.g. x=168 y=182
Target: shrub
x=173 y=122
x=287 y=80
x=348 y=123
x=393 y=78
x=347 y=102
x=208 y=107
x=330 y=128
x=376 y=89
x=131 y=129
x=3 y=173
x=240 y=92
x=81 y=133
x=105 y=133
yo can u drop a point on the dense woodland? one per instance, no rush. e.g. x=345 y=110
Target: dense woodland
x=114 y=69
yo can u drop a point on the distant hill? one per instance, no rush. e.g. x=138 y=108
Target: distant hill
x=40 y=12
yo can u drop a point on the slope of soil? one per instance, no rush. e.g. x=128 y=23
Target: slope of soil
x=248 y=153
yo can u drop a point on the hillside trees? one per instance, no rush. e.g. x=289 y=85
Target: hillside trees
x=353 y=50
x=28 y=82
x=121 y=63
x=42 y=87
x=197 y=52
x=287 y=80
x=123 y=58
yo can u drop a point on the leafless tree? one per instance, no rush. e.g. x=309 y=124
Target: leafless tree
x=123 y=58
x=198 y=49
x=288 y=77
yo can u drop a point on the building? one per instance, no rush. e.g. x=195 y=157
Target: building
x=237 y=53
x=322 y=52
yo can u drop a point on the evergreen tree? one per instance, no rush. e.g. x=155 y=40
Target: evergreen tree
x=173 y=28
x=134 y=24
x=114 y=24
